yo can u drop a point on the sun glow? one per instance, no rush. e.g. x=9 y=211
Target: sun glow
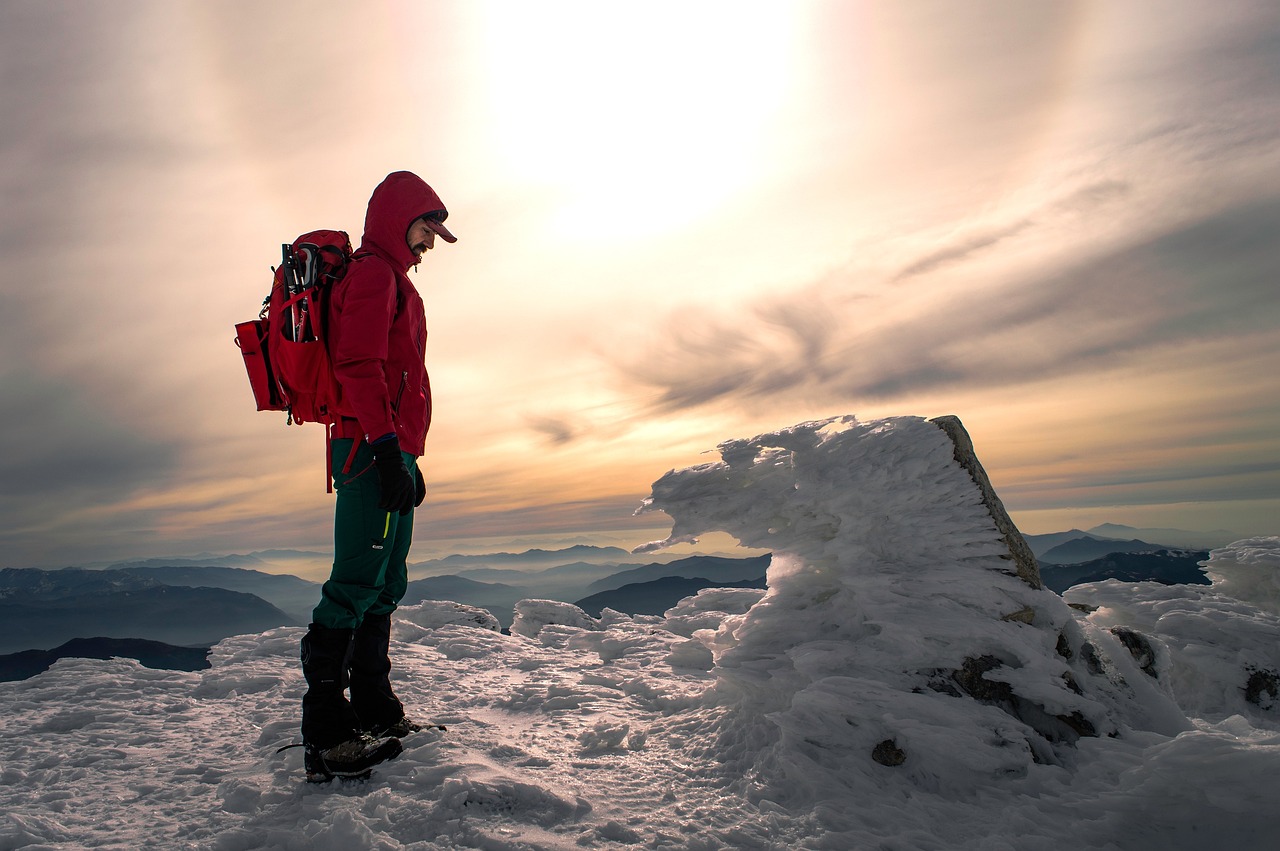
x=634 y=121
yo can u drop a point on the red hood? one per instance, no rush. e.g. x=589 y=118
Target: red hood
x=396 y=203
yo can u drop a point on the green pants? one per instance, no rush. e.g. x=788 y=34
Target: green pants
x=370 y=546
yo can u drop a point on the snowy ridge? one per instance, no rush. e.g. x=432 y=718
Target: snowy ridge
x=899 y=686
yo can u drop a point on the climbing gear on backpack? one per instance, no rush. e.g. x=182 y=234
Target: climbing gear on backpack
x=286 y=349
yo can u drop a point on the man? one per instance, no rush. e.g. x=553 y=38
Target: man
x=377 y=337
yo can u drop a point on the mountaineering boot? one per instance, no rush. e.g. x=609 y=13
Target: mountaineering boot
x=403 y=727
x=327 y=718
x=375 y=704
x=354 y=758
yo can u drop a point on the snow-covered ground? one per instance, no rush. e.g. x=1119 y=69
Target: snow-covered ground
x=898 y=687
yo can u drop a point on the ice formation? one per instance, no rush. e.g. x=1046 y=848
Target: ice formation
x=898 y=621
x=1217 y=648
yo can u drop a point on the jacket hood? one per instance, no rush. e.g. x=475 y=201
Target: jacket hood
x=400 y=199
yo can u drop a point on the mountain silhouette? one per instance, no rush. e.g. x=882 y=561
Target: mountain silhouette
x=45 y=608
x=150 y=654
x=1168 y=567
x=720 y=570
x=656 y=596
x=1087 y=548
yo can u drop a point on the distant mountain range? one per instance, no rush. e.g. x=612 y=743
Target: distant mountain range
x=655 y=596
x=239 y=561
x=202 y=599
x=1168 y=567
x=717 y=569
x=553 y=580
x=1070 y=546
x=45 y=608
x=1180 y=538
x=1086 y=549
x=528 y=558
x=150 y=654
x=567 y=582
x=295 y=597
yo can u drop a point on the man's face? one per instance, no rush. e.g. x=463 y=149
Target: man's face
x=421 y=238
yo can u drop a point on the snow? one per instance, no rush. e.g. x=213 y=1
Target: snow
x=897 y=687
x=1213 y=640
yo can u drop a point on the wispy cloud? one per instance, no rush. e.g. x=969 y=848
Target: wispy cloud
x=1081 y=201
x=1205 y=278
x=558 y=431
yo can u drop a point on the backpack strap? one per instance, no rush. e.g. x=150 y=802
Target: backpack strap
x=351 y=457
x=328 y=456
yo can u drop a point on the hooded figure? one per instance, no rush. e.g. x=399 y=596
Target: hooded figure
x=377 y=339
x=377 y=324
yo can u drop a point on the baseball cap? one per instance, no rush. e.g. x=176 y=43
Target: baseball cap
x=437 y=225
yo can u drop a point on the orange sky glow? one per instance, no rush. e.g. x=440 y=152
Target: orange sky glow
x=679 y=223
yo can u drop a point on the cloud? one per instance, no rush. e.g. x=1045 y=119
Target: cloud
x=67 y=464
x=1084 y=200
x=1209 y=278
x=62 y=451
x=961 y=250
x=558 y=431
x=447 y=520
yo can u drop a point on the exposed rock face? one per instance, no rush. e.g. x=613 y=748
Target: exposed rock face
x=888 y=753
x=1139 y=647
x=1263 y=688
x=1019 y=549
x=903 y=599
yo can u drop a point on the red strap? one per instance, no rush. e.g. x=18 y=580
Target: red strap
x=328 y=456
x=351 y=459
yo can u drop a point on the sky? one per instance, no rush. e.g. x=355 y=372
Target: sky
x=678 y=224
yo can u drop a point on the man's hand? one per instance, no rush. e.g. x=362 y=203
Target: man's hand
x=396 y=488
x=420 y=486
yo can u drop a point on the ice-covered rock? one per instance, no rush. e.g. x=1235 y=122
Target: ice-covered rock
x=1218 y=647
x=533 y=615
x=411 y=621
x=708 y=608
x=903 y=602
x=1248 y=570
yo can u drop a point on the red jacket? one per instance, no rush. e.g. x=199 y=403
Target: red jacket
x=377 y=323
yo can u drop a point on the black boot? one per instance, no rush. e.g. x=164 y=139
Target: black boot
x=327 y=717
x=354 y=758
x=375 y=704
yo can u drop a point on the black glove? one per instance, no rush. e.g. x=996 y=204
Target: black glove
x=396 y=489
x=419 y=486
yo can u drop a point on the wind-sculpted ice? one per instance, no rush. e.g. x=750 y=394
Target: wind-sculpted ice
x=896 y=627
x=1216 y=647
x=1248 y=570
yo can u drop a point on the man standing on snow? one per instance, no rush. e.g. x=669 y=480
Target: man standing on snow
x=377 y=338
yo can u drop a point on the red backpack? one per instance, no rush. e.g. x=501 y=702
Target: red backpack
x=285 y=349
